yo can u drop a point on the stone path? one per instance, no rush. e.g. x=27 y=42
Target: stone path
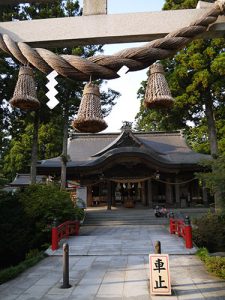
x=99 y=274
x=124 y=240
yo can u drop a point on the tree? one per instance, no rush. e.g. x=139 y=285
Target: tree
x=215 y=179
x=70 y=92
x=195 y=78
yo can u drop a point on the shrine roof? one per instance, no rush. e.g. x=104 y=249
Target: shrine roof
x=24 y=179
x=165 y=147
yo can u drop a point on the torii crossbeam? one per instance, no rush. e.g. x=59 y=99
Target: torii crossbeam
x=103 y=66
x=104 y=28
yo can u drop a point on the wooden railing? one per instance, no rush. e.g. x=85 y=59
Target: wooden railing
x=64 y=230
x=183 y=229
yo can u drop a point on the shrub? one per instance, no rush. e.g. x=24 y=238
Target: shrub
x=26 y=219
x=214 y=264
x=42 y=204
x=209 y=232
x=15 y=230
x=14 y=271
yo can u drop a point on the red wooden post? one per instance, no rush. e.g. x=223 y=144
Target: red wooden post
x=188 y=233
x=172 y=224
x=55 y=245
x=179 y=225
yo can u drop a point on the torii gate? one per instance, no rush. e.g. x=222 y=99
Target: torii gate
x=97 y=27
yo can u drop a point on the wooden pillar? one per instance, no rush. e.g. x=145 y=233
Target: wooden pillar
x=204 y=194
x=169 y=197
x=113 y=189
x=89 y=196
x=150 y=198
x=109 y=195
x=143 y=196
x=177 y=193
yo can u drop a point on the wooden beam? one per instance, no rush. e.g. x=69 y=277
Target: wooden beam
x=106 y=29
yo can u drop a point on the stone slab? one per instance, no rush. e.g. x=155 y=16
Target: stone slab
x=119 y=277
x=94 y=7
x=106 y=29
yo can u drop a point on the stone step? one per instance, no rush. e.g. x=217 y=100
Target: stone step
x=112 y=217
x=122 y=217
x=109 y=223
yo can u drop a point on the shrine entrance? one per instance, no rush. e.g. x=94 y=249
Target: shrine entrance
x=126 y=193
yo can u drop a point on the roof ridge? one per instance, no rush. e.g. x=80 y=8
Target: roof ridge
x=76 y=135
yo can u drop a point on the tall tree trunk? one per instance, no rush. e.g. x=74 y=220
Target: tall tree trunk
x=211 y=123
x=34 y=153
x=64 y=150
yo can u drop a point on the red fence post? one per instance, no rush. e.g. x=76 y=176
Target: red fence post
x=172 y=224
x=188 y=233
x=54 y=236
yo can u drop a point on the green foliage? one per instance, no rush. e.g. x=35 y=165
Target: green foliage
x=15 y=230
x=203 y=253
x=209 y=232
x=49 y=140
x=43 y=203
x=26 y=218
x=3 y=179
x=214 y=178
x=197 y=137
x=16 y=127
x=214 y=264
x=195 y=77
x=13 y=271
x=79 y=213
x=15 y=161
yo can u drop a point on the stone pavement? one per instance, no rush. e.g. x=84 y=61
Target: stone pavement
x=124 y=240
x=97 y=273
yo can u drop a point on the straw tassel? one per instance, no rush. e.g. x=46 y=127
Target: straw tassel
x=157 y=94
x=89 y=116
x=25 y=96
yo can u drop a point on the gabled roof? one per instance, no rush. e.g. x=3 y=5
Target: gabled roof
x=125 y=139
x=168 y=148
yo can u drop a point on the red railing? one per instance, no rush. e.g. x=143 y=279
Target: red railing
x=183 y=229
x=63 y=231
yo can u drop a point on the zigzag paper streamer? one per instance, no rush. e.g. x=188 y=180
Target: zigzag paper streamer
x=52 y=91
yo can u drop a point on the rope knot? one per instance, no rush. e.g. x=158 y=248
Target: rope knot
x=221 y=4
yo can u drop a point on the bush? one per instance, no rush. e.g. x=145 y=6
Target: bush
x=26 y=219
x=14 y=271
x=15 y=230
x=209 y=232
x=214 y=264
x=42 y=204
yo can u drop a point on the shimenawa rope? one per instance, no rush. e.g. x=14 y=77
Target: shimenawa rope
x=106 y=66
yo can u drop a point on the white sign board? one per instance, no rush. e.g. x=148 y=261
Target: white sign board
x=159 y=274
x=82 y=193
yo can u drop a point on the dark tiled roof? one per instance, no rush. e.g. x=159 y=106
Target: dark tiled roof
x=24 y=179
x=165 y=147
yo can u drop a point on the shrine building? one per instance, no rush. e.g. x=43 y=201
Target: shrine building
x=132 y=169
